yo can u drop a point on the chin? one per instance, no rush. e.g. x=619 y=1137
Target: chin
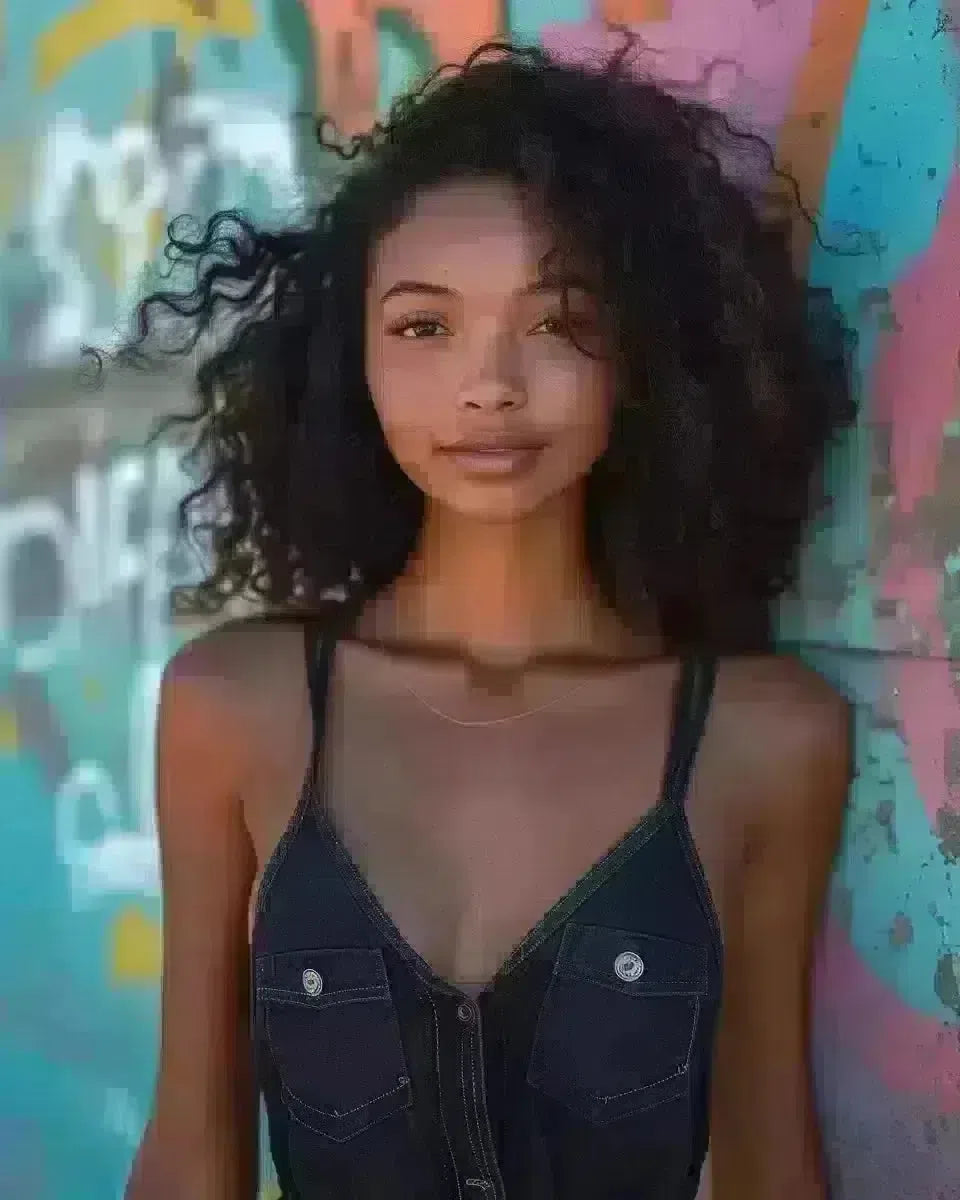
x=494 y=504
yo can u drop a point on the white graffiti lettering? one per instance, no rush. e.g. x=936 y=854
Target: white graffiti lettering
x=92 y=547
x=100 y=562
x=129 y=180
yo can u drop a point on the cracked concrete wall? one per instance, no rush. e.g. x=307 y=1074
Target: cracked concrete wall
x=114 y=117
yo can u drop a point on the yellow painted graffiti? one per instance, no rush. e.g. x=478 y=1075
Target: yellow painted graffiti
x=9 y=731
x=135 y=948
x=83 y=30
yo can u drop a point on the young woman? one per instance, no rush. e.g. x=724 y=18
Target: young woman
x=492 y=857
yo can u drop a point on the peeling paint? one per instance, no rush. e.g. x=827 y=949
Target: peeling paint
x=947 y=981
x=885 y=819
x=901 y=931
x=948 y=831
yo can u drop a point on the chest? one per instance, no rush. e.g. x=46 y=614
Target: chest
x=467 y=843
x=466 y=864
x=469 y=837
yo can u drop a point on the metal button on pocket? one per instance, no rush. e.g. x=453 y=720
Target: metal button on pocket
x=628 y=966
x=312 y=983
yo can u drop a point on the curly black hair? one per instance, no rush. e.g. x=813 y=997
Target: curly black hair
x=730 y=381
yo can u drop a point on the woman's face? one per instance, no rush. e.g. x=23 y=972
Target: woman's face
x=486 y=402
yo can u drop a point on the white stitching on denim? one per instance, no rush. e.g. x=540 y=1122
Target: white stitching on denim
x=273 y=1051
x=375 y=912
x=466 y=1107
x=443 y=1119
x=645 y=1087
x=335 y=1116
x=268 y=990
x=678 y=1074
x=474 y=1110
x=704 y=895
x=286 y=1090
x=536 y=1076
x=650 y=1102
x=618 y=856
x=476 y=1102
x=301 y=1001
x=326 y=1132
x=277 y=858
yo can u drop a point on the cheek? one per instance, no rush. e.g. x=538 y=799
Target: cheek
x=575 y=398
x=411 y=418
x=406 y=429
x=408 y=417
x=409 y=387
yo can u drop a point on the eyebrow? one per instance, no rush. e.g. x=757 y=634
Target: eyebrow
x=548 y=283
x=413 y=287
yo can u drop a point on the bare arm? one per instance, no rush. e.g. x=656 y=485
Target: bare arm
x=765 y=1142
x=200 y=1143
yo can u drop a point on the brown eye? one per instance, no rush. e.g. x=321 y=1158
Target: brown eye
x=553 y=327
x=416 y=329
x=565 y=326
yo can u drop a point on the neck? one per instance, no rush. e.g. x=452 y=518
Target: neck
x=503 y=591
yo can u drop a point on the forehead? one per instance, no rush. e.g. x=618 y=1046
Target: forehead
x=467 y=227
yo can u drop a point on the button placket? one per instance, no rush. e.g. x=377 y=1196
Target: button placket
x=473 y=1088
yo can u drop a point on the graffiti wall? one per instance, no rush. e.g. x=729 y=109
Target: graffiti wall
x=115 y=117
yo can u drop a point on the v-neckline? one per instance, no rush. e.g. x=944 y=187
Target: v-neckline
x=561 y=909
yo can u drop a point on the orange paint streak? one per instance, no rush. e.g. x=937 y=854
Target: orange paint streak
x=808 y=134
x=345 y=41
x=634 y=12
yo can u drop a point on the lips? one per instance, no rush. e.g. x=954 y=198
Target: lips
x=493 y=456
x=492 y=445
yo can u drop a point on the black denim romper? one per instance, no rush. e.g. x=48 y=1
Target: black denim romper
x=581 y=1072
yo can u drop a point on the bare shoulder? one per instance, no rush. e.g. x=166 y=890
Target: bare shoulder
x=229 y=660
x=227 y=673
x=786 y=728
x=789 y=703
x=232 y=703
x=781 y=680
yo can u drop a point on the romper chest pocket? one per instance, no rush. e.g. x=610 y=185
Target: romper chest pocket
x=618 y=1022
x=333 y=1033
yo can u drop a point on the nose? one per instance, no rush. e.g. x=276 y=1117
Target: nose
x=495 y=385
x=491 y=396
